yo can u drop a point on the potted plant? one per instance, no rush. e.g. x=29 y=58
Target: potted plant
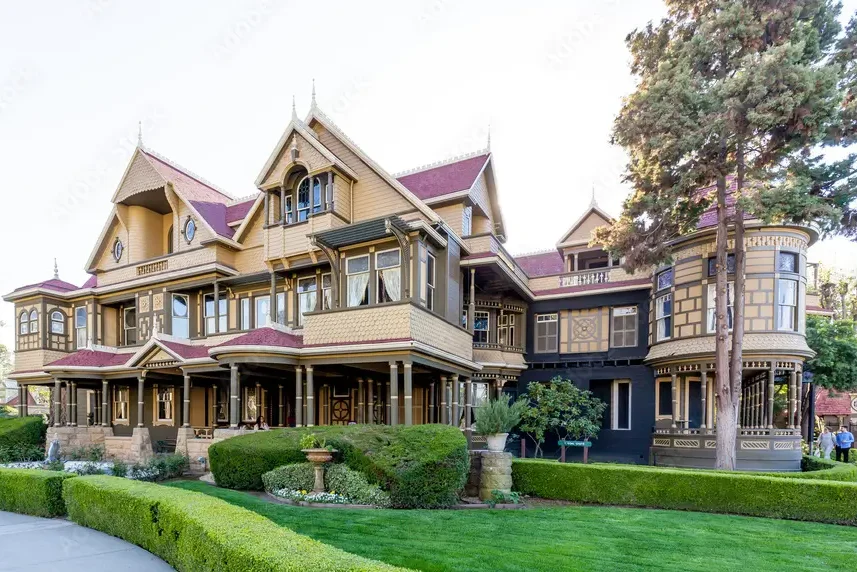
x=496 y=418
x=318 y=453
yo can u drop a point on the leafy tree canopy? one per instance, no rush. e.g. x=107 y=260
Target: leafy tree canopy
x=835 y=345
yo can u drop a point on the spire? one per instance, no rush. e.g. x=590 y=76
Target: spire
x=294 y=109
x=139 y=134
x=56 y=270
x=489 y=136
x=593 y=202
x=313 y=92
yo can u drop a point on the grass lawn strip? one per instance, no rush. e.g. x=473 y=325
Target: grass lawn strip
x=568 y=538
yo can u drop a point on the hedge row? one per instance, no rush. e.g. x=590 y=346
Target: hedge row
x=21 y=431
x=422 y=466
x=824 y=469
x=32 y=491
x=194 y=532
x=628 y=485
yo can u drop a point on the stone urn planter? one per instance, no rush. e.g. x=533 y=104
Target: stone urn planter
x=497 y=442
x=318 y=457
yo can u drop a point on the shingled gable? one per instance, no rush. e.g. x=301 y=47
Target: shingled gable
x=162 y=347
x=581 y=231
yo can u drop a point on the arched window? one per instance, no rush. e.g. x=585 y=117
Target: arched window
x=57 y=322
x=25 y=324
x=303 y=200
x=34 y=321
x=170 y=241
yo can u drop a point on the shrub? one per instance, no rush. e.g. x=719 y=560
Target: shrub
x=347 y=482
x=119 y=468
x=420 y=466
x=818 y=468
x=21 y=452
x=498 y=416
x=195 y=532
x=706 y=491
x=32 y=491
x=22 y=436
x=159 y=468
x=296 y=477
x=93 y=453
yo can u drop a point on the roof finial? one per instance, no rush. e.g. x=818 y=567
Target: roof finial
x=139 y=134
x=593 y=202
x=313 y=92
x=56 y=270
x=294 y=109
x=489 y=136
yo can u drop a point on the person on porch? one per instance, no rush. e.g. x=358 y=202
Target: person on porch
x=826 y=442
x=261 y=425
x=844 y=440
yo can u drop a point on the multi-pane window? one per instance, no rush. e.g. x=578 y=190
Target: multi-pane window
x=164 y=410
x=281 y=308
x=467 y=221
x=307 y=297
x=263 y=311
x=389 y=272
x=120 y=404
x=481 y=322
x=57 y=322
x=303 y=200
x=664 y=317
x=34 y=321
x=24 y=327
x=664 y=398
x=288 y=210
x=712 y=309
x=80 y=327
x=357 y=281
x=665 y=279
x=326 y=292
x=215 y=315
x=427 y=287
x=317 y=196
x=181 y=317
x=547 y=330
x=245 y=313
x=787 y=262
x=624 y=327
x=787 y=304
x=730 y=264
x=506 y=330
x=129 y=325
x=620 y=406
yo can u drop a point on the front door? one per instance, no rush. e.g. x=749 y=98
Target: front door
x=340 y=409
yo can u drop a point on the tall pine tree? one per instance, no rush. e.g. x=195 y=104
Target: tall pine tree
x=742 y=94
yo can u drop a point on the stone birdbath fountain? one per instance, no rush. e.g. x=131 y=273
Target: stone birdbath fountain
x=318 y=454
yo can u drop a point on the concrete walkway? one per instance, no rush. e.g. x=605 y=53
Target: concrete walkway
x=31 y=543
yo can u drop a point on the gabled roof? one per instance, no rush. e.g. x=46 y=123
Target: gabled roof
x=178 y=350
x=54 y=284
x=832 y=404
x=265 y=337
x=593 y=211
x=237 y=212
x=457 y=175
x=191 y=187
x=540 y=264
x=91 y=358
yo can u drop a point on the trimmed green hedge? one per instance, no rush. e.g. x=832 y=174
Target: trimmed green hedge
x=422 y=466
x=194 y=532
x=823 y=469
x=32 y=491
x=22 y=438
x=629 y=485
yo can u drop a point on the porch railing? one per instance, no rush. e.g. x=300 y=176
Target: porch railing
x=761 y=439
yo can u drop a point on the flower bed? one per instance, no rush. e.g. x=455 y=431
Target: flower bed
x=311 y=497
x=160 y=468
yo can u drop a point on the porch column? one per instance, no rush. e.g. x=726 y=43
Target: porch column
x=299 y=396
x=141 y=395
x=105 y=412
x=771 y=375
x=799 y=399
x=361 y=402
x=273 y=300
x=216 y=307
x=394 y=393
x=280 y=418
x=370 y=401
x=674 y=395
x=58 y=402
x=456 y=394
x=74 y=408
x=310 y=397
x=409 y=394
x=20 y=401
x=444 y=411
x=792 y=399
x=703 y=376
x=258 y=398
x=186 y=401
x=432 y=410
x=234 y=390
x=68 y=404
x=471 y=308
x=387 y=418
x=575 y=263
x=468 y=405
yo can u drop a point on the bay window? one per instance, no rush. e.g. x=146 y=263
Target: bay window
x=389 y=275
x=326 y=292
x=664 y=317
x=317 y=201
x=80 y=327
x=288 y=211
x=263 y=311
x=481 y=323
x=712 y=310
x=357 y=273
x=213 y=316
x=307 y=297
x=245 y=313
x=787 y=304
x=281 y=308
x=428 y=273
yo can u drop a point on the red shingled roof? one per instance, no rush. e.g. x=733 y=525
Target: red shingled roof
x=91 y=282
x=835 y=404
x=237 y=212
x=186 y=351
x=445 y=179
x=53 y=284
x=13 y=401
x=215 y=215
x=189 y=185
x=266 y=337
x=541 y=263
x=92 y=358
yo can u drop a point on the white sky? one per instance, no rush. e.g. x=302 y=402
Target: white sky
x=212 y=81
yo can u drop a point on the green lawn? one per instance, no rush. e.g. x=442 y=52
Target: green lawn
x=567 y=538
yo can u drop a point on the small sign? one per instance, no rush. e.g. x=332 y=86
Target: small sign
x=575 y=443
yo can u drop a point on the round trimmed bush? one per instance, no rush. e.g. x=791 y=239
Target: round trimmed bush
x=296 y=477
x=349 y=483
x=421 y=466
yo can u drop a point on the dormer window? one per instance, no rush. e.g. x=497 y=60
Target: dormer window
x=118 y=249
x=24 y=328
x=34 y=321
x=189 y=230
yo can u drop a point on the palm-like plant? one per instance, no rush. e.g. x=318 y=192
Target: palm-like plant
x=498 y=416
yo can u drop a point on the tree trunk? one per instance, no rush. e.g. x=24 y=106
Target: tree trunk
x=726 y=411
x=736 y=369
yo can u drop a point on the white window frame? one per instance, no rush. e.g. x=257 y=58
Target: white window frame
x=261 y=318
x=80 y=331
x=781 y=306
x=220 y=314
x=180 y=319
x=60 y=321
x=467 y=221
x=792 y=255
x=24 y=322
x=303 y=211
x=167 y=396
x=658 y=382
x=665 y=333
x=326 y=291
x=614 y=404
x=379 y=284
x=429 y=279
x=506 y=329
x=487 y=329
x=121 y=415
x=244 y=310
x=308 y=294
x=317 y=207
x=281 y=308
x=125 y=328
x=288 y=209
x=34 y=321
x=711 y=310
x=348 y=277
x=550 y=318
x=625 y=312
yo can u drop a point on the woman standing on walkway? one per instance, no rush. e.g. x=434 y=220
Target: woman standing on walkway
x=826 y=442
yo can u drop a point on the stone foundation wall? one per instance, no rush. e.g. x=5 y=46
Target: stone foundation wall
x=195 y=449
x=496 y=473
x=134 y=449
x=76 y=437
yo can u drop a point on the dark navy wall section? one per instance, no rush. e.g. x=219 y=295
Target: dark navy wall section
x=584 y=369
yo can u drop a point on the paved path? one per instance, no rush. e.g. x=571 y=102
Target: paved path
x=30 y=543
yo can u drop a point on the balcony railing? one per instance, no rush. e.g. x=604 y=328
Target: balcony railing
x=586 y=277
x=500 y=347
x=153 y=267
